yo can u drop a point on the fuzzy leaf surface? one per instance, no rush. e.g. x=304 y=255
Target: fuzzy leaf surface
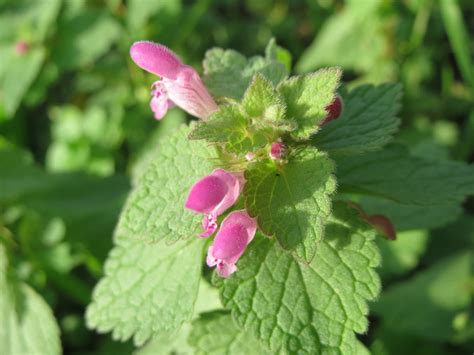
x=155 y=209
x=292 y=202
x=312 y=309
x=215 y=333
x=306 y=98
x=228 y=73
x=148 y=289
x=367 y=123
x=27 y=324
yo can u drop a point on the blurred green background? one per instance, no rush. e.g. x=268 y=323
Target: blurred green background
x=76 y=128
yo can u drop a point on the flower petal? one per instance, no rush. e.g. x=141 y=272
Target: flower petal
x=207 y=194
x=236 y=232
x=156 y=59
x=189 y=93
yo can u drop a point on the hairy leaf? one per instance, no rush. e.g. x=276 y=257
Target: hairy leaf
x=228 y=73
x=316 y=308
x=292 y=201
x=306 y=98
x=367 y=122
x=147 y=289
x=155 y=209
x=215 y=333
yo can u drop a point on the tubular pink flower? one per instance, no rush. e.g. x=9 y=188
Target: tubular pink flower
x=214 y=194
x=179 y=84
x=236 y=232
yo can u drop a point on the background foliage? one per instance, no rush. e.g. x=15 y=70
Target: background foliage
x=76 y=131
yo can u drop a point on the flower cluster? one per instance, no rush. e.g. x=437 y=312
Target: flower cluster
x=180 y=85
x=212 y=196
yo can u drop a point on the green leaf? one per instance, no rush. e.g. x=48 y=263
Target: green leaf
x=280 y=54
x=215 y=333
x=27 y=324
x=229 y=126
x=367 y=122
x=307 y=97
x=292 y=201
x=228 y=73
x=177 y=343
x=430 y=300
x=83 y=38
x=18 y=76
x=247 y=127
x=394 y=174
x=147 y=289
x=155 y=209
x=262 y=102
x=407 y=217
x=297 y=308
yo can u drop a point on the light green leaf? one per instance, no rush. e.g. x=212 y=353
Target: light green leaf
x=393 y=174
x=306 y=99
x=367 y=122
x=215 y=333
x=291 y=201
x=280 y=54
x=229 y=125
x=18 y=76
x=177 y=343
x=155 y=209
x=27 y=324
x=430 y=300
x=315 y=309
x=257 y=122
x=262 y=102
x=147 y=289
x=227 y=73
x=84 y=38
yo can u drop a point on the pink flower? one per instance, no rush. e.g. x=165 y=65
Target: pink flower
x=277 y=151
x=236 y=232
x=179 y=85
x=214 y=194
x=334 y=109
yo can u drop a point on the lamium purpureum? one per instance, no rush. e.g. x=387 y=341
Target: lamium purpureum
x=281 y=186
x=214 y=194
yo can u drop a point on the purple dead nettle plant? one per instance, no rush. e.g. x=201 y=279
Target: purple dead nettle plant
x=180 y=85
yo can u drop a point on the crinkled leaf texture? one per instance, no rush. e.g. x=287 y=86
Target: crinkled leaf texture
x=147 y=289
x=215 y=333
x=155 y=209
x=306 y=98
x=292 y=202
x=228 y=73
x=367 y=123
x=150 y=288
x=27 y=324
x=308 y=309
x=246 y=127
